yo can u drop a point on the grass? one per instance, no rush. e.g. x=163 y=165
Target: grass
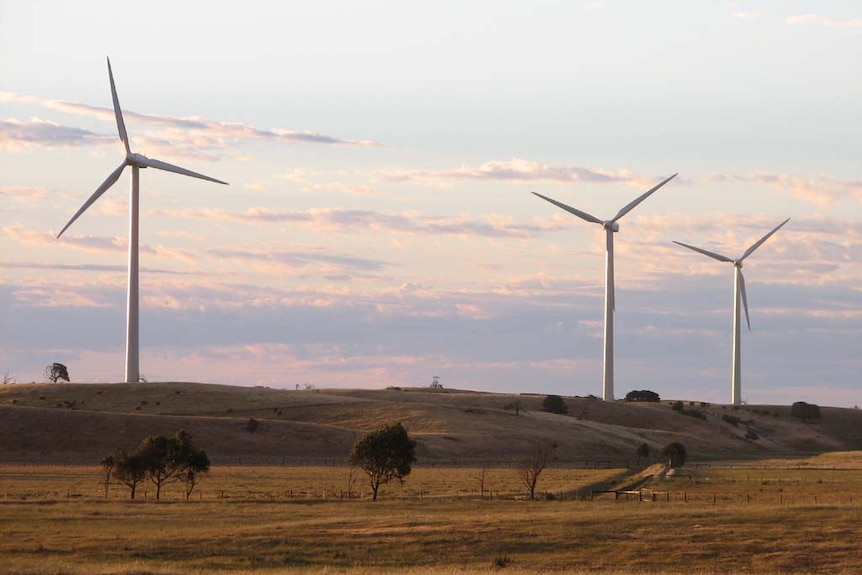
x=55 y=520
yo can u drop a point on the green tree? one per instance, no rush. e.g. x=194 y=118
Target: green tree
x=193 y=462
x=643 y=451
x=554 y=404
x=675 y=454
x=129 y=469
x=385 y=454
x=805 y=411
x=643 y=395
x=544 y=452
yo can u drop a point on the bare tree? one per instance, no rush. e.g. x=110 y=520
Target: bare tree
x=8 y=378
x=544 y=452
x=482 y=473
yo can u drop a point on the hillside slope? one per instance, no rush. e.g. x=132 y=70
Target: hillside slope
x=80 y=423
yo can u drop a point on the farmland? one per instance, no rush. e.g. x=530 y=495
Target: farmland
x=281 y=499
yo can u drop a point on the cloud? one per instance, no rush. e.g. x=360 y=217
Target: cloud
x=516 y=170
x=23 y=195
x=16 y=135
x=187 y=137
x=349 y=221
x=745 y=15
x=822 y=191
x=822 y=20
x=298 y=259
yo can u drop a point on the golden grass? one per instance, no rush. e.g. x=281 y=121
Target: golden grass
x=256 y=528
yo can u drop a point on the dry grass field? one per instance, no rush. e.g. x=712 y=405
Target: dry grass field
x=55 y=519
x=281 y=499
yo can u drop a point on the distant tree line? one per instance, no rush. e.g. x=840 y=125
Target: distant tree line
x=160 y=460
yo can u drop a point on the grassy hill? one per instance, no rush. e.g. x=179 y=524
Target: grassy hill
x=80 y=423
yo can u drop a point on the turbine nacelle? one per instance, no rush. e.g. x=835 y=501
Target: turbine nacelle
x=135 y=159
x=611 y=225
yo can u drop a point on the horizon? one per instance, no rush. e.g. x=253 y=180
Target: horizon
x=379 y=228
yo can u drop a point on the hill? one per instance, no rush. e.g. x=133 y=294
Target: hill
x=80 y=423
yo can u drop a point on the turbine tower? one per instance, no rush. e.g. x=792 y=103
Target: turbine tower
x=738 y=294
x=611 y=226
x=137 y=162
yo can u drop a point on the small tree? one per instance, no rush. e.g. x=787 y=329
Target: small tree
x=675 y=454
x=159 y=457
x=515 y=405
x=544 y=452
x=385 y=454
x=643 y=451
x=554 y=404
x=129 y=469
x=643 y=395
x=56 y=372
x=192 y=462
x=108 y=464
x=805 y=411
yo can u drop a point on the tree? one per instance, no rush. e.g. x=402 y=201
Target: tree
x=554 y=404
x=159 y=457
x=515 y=405
x=129 y=469
x=108 y=464
x=56 y=372
x=643 y=395
x=544 y=452
x=675 y=454
x=385 y=454
x=805 y=411
x=643 y=451
x=192 y=462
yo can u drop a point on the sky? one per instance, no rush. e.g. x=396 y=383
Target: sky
x=378 y=227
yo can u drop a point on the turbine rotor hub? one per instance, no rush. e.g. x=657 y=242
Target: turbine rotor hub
x=613 y=226
x=138 y=160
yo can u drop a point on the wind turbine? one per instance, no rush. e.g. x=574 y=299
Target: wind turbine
x=738 y=293
x=611 y=226
x=137 y=162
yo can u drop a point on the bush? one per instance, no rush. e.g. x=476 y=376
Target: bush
x=251 y=425
x=694 y=413
x=677 y=406
x=643 y=395
x=554 y=404
x=731 y=419
x=805 y=411
x=675 y=454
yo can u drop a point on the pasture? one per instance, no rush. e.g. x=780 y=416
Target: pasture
x=799 y=516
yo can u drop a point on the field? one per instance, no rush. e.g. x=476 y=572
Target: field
x=778 y=516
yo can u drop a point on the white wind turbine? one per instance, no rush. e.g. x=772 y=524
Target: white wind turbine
x=738 y=294
x=136 y=161
x=611 y=226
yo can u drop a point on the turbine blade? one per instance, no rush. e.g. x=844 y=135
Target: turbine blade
x=109 y=181
x=744 y=298
x=583 y=215
x=639 y=199
x=159 y=165
x=759 y=242
x=714 y=255
x=121 y=125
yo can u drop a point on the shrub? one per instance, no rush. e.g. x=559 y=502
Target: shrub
x=643 y=395
x=677 y=406
x=555 y=404
x=731 y=419
x=805 y=411
x=675 y=454
x=251 y=425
